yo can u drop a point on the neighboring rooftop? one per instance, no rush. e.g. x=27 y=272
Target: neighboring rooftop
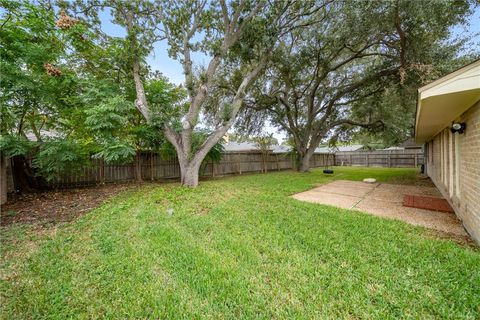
x=410 y=144
x=43 y=134
x=250 y=146
x=353 y=147
x=281 y=149
x=394 y=148
x=240 y=147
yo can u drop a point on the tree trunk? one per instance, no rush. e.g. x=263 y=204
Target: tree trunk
x=3 y=180
x=23 y=178
x=189 y=173
x=304 y=160
x=304 y=164
x=141 y=99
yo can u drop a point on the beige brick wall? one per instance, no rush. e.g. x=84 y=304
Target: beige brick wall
x=464 y=192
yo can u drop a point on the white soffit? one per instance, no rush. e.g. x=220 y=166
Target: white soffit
x=442 y=101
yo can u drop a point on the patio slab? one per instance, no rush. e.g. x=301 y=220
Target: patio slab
x=345 y=190
x=440 y=221
x=350 y=183
x=394 y=192
x=337 y=200
x=385 y=200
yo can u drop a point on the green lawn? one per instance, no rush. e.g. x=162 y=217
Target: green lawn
x=234 y=248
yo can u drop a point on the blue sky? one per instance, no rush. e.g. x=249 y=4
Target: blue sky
x=158 y=59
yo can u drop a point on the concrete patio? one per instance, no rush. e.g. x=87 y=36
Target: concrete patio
x=385 y=200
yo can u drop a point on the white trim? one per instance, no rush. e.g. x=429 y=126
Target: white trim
x=450 y=76
x=450 y=156
x=450 y=96
x=445 y=158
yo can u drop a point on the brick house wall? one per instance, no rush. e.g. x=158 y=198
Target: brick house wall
x=453 y=163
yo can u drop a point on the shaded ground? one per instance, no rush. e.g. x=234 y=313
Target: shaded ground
x=57 y=206
x=386 y=200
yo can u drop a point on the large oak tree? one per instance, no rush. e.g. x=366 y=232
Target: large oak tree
x=333 y=76
x=236 y=38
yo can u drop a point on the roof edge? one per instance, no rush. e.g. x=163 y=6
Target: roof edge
x=449 y=76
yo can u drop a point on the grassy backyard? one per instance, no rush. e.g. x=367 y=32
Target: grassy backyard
x=234 y=248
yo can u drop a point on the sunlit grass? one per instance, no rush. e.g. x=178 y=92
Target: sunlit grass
x=234 y=248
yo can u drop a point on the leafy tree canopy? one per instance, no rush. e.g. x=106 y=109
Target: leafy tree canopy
x=355 y=71
x=67 y=93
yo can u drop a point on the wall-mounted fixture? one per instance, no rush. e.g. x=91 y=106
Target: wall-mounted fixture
x=458 y=127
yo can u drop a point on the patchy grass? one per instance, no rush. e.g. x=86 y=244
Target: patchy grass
x=234 y=248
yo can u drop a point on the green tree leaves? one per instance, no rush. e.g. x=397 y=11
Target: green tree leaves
x=58 y=156
x=70 y=81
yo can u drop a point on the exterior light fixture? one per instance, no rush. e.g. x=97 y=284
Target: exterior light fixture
x=458 y=127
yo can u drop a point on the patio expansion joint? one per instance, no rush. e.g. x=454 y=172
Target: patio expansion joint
x=364 y=196
x=337 y=193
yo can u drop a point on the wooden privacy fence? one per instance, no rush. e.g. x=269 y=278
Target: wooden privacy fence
x=154 y=167
x=408 y=158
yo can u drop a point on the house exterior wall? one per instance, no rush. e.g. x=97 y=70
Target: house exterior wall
x=453 y=163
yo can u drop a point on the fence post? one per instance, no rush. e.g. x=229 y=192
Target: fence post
x=263 y=167
x=239 y=164
x=132 y=169
x=366 y=159
x=415 y=157
x=102 y=170
x=389 y=158
x=3 y=179
x=151 y=166
x=350 y=156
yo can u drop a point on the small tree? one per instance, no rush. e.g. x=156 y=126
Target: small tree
x=36 y=82
x=69 y=88
x=264 y=143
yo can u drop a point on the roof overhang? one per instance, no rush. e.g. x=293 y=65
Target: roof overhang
x=444 y=100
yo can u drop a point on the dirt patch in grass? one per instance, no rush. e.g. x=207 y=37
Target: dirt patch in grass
x=462 y=240
x=420 y=179
x=57 y=206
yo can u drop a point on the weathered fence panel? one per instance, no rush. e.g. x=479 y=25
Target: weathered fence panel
x=154 y=167
x=408 y=158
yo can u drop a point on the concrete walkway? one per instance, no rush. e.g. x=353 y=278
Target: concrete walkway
x=385 y=200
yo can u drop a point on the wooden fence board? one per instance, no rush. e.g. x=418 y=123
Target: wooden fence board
x=153 y=167
x=408 y=158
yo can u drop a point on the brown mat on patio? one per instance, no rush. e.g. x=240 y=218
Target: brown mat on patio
x=427 y=203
